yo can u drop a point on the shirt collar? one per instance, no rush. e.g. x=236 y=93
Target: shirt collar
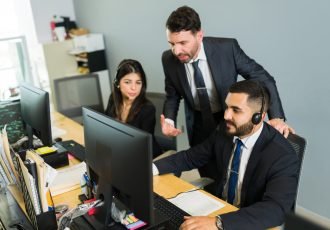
x=249 y=141
x=201 y=55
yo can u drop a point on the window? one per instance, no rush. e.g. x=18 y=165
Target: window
x=14 y=65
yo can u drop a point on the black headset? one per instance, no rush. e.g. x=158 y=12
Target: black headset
x=257 y=117
x=115 y=81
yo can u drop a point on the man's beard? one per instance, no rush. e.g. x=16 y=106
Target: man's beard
x=241 y=130
x=186 y=60
x=190 y=55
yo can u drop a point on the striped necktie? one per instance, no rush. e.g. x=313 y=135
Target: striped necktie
x=204 y=102
x=234 y=171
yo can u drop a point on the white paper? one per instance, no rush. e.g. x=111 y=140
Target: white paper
x=57 y=132
x=68 y=179
x=196 y=203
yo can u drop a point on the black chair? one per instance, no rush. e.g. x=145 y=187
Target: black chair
x=296 y=222
x=74 y=92
x=166 y=143
x=299 y=145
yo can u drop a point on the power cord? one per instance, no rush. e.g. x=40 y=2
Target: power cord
x=65 y=220
x=193 y=190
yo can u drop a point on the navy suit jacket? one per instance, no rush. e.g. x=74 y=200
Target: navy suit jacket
x=269 y=184
x=226 y=60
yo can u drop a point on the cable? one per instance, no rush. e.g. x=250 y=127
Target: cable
x=82 y=209
x=193 y=190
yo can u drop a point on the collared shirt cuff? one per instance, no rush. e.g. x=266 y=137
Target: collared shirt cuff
x=155 y=171
x=169 y=121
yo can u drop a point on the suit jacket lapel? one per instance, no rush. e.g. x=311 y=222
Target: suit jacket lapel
x=226 y=151
x=255 y=156
x=214 y=62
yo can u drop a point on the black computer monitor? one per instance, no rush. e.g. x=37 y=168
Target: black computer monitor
x=35 y=113
x=121 y=157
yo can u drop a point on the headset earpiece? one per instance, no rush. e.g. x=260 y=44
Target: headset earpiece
x=115 y=82
x=121 y=65
x=257 y=117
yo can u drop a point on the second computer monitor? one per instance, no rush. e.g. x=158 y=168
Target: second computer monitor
x=35 y=113
x=121 y=157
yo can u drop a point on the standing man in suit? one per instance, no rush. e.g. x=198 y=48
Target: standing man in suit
x=258 y=174
x=220 y=60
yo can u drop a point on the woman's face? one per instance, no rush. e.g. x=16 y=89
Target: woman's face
x=130 y=86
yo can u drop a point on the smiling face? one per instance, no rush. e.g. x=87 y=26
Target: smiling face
x=185 y=45
x=238 y=115
x=130 y=86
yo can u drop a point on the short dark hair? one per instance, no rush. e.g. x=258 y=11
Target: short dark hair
x=184 y=18
x=255 y=90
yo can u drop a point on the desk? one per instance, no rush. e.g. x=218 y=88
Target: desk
x=169 y=185
x=165 y=185
x=74 y=131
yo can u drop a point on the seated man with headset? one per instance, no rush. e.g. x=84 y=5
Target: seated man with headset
x=257 y=169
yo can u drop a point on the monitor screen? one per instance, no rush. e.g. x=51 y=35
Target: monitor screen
x=35 y=113
x=121 y=157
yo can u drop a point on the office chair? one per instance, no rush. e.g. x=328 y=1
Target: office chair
x=166 y=143
x=297 y=222
x=74 y=92
x=299 y=145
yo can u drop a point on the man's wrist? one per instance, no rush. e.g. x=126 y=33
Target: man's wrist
x=218 y=222
x=169 y=121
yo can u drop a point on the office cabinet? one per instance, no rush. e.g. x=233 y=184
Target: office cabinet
x=71 y=58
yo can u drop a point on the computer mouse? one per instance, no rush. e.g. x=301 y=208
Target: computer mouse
x=58 y=139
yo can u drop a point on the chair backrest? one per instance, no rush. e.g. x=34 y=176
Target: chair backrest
x=74 y=92
x=299 y=145
x=166 y=143
x=296 y=222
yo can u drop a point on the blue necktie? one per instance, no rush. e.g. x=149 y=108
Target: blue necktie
x=234 y=171
x=203 y=97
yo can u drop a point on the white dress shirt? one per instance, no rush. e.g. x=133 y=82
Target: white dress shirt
x=207 y=76
x=247 y=147
x=209 y=83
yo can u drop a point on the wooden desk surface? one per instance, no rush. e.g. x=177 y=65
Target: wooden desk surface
x=74 y=130
x=169 y=185
x=165 y=185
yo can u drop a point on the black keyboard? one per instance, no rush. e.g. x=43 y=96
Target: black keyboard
x=75 y=149
x=170 y=211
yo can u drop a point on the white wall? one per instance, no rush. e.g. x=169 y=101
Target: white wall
x=43 y=12
x=289 y=38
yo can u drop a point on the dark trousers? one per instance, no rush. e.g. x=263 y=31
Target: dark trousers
x=199 y=135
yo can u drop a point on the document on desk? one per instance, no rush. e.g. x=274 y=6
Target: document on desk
x=46 y=175
x=196 y=203
x=68 y=179
x=57 y=132
x=6 y=165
